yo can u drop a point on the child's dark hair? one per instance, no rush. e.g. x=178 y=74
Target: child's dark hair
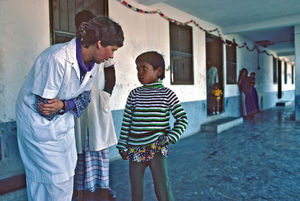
x=101 y=28
x=153 y=58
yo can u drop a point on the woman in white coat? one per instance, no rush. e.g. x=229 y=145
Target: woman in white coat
x=56 y=89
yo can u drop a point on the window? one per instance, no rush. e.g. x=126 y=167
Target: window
x=181 y=48
x=285 y=73
x=231 y=63
x=62 y=16
x=274 y=70
x=293 y=67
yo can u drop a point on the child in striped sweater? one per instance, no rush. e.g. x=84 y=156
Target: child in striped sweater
x=146 y=131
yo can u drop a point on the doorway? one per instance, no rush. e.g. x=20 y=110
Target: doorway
x=279 y=95
x=214 y=72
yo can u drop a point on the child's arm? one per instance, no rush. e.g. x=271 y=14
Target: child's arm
x=180 y=116
x=125 y=129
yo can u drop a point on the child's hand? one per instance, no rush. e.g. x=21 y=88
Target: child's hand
x=165 y=140
x=124 y=154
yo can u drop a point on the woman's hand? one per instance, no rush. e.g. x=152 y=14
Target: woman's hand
x=124 y=154
x=53 y=105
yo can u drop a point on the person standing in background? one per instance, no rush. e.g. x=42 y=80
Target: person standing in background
x=212 y=78
x=95 y=133
x=254 y=92
x=246 y=91
x=217 y=95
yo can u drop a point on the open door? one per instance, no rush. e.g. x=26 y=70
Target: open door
x=214 y=71
x=279 y=95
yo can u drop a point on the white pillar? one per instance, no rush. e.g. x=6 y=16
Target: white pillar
x=297 y=72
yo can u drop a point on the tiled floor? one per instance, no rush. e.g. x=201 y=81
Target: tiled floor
x=259 y=160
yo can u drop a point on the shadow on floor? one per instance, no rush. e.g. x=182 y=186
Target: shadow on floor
x=98 y=195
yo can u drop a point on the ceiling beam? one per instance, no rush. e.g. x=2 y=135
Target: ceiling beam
x=286 y=53
x=267 y=24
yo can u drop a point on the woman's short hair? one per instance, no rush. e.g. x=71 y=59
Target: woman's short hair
x=153 y=58
x=100 y=28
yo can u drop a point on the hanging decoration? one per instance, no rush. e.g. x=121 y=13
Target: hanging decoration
x=231 y=43
x=168 y=18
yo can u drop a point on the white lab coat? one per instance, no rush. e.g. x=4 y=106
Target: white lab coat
x=97 y=118
x=48 y=148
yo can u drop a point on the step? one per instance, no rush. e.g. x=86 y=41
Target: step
x=220 y=125
x=12 y=184
x=283 y=103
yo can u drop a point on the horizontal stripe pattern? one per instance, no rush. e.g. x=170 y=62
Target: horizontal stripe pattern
x=147 y=114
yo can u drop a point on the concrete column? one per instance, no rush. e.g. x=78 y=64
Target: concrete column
x=297 y=73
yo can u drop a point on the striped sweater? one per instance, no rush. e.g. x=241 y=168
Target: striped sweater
x=147 y=115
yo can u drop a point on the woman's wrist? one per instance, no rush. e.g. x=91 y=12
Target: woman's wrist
x=63 y=109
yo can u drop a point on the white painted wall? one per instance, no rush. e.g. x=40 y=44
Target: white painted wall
x=297 y=58
x=288 y=86
x=297 y=68
x=24 y=34
x=145 y=32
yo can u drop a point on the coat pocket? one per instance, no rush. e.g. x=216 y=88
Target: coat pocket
x=104 y=101
x=43 y=133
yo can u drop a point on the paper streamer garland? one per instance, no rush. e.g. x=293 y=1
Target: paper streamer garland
x=233 y=42
x=166 y=17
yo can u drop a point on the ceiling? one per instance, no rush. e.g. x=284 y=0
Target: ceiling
x=269 y=23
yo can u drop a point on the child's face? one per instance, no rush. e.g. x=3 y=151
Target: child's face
x=146 y=73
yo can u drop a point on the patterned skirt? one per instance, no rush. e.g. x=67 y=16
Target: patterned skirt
x=92 y=170
x=147 y=153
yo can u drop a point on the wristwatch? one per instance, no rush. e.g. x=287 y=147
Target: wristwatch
x=63 y=109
